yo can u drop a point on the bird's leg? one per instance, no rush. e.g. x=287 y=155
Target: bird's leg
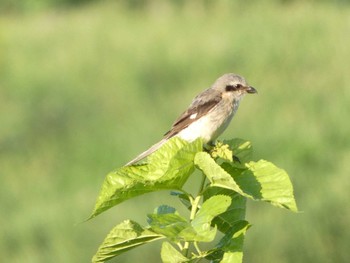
x=208 y=146
x=236 y=159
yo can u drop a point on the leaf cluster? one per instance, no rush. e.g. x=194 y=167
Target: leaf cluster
x=229 y=178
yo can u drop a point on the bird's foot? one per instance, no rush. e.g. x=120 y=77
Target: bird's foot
x=236 y=159
x=208 y=147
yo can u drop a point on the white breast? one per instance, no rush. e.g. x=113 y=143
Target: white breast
x=201 y=128
x=210 y=126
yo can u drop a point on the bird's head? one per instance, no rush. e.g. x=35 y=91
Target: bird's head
x=232 y=85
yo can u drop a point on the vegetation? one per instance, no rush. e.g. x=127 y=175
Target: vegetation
x=84 y=90
x=219 y=205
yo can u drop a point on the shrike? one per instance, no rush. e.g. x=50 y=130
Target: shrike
x=209 y=113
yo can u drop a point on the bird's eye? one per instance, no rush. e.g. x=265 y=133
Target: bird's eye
x=232 y=87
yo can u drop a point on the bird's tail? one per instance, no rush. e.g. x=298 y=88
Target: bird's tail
x=147 y=152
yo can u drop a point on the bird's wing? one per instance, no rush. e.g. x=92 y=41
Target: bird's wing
x=199 y=107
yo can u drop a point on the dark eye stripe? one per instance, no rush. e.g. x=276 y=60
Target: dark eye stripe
x=230 y=88
x=233 y=87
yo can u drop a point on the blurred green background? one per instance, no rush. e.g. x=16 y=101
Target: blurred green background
x=87 y=85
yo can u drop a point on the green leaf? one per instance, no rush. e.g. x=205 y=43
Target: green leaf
x=260 y=180
x=184 y=199
x=232 y=243
x=201 y=230
x=171 y=255
x=241 y=148
x=230 y=247
x=234 y=213
x=264 y=181
x=217 y=176
x=168 y=223
x=123 y=237
x=164 y=209
x=168 y=168
x=211 y=208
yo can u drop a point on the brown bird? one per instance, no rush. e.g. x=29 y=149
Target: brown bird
x=208 y=115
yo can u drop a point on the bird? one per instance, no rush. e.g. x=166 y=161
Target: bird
x=208 y=115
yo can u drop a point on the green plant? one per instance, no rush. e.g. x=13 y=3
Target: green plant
x=219 y=206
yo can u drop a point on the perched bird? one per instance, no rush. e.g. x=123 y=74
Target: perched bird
x=209 y=113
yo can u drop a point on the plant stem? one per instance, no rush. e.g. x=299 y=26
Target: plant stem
x=194 y=204
x=179 y=245
x=197 y=248
x=195 y=207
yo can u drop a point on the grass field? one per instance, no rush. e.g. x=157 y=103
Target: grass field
x=84 y=90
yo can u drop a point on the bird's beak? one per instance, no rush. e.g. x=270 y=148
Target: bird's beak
x=251 y=90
